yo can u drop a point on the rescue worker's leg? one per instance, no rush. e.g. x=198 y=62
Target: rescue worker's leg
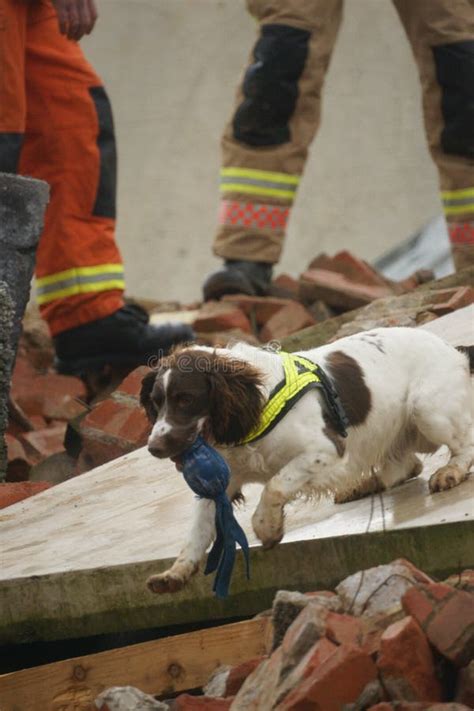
x=12 y=83
x=441 y=33
x=70 y=143
x=265 y=144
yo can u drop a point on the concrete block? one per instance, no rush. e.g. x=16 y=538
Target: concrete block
x=22 y=206
x=6 y=360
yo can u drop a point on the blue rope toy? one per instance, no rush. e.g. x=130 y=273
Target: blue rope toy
x=207 y=474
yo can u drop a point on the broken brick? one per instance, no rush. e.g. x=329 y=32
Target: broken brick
x=288 y=284
x=19 y=463
x=132 y=384
x=339 y=680
x=378 y=590
x=291 y=318
x=258 y=690
x=110 y=430
x=11 y=493
x=343 y=629
x=405 y=656
x=186 y=702
x=288 y=604
x=237 y=675
x=455 y=299
x=303 y=633
x=115 y=426
x=337 y=290
x=40 y=444
x=292 y=675
x=447 y=618
x=56 y=397
x=221 y=316
x=350 y=266
x=260 y=308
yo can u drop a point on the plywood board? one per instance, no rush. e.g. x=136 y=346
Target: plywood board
x=159 y=667
x=74 y=559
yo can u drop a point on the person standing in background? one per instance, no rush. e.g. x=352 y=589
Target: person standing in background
x=277 y=113
x=56 y=125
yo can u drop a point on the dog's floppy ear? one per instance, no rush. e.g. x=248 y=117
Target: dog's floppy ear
x=145 y=393
x=235 y=399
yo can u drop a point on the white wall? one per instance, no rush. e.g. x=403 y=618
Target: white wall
x=171 y=68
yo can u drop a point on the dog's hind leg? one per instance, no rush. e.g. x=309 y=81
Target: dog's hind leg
x=394 y=471
x=399 y=468
x=448 y=421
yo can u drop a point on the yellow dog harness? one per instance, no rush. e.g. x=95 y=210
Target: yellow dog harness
x=301 y=375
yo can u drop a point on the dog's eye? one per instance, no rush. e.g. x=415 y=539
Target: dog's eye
x=184 y=400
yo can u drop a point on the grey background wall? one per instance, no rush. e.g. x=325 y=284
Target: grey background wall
x=171 y=68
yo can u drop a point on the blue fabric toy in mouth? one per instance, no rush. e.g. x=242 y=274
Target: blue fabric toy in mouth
x=207 y=473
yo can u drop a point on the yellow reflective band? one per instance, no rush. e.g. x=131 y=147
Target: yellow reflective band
x=293 y=384
x=457 y=194
x=458 y=202
x=265 y=183
x=459 y=209
x=264 y=175
x=80 y=289
x=78 y=272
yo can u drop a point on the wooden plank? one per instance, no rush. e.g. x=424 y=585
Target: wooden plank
x=159 y=667
x=77 y=564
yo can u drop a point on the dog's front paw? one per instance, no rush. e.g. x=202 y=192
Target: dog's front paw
x=268 y=526
x=167 y=582
x=447 y=477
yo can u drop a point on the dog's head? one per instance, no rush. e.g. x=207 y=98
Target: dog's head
x=196 y=391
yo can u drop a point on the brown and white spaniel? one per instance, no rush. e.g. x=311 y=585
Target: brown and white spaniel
x=403 y=391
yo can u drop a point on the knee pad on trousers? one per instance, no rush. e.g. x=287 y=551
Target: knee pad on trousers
x=455 y=74
x=10 y=148
x=270 y=86
x=105 y=203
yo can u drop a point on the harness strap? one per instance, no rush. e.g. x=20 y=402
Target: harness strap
x=301 y=375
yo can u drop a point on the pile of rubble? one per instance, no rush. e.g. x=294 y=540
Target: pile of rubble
x=58 y=429
x=388 y=638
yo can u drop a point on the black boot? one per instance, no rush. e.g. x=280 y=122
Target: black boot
x=238 y=277
x=123 y=338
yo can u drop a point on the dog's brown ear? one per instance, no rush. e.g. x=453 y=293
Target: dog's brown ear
x=145 y=393
x=236 y=399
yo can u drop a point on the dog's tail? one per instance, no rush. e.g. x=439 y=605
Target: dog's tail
x=469 y=353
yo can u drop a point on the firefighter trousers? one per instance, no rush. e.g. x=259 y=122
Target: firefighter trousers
x=277 y=114
x=56 y=124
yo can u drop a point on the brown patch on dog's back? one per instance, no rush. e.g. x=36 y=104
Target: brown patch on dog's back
x=350 y=384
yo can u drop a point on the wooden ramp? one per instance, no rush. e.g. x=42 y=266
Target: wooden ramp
x=74 y=559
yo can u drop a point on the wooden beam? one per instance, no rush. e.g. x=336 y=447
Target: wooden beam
x=159 y=667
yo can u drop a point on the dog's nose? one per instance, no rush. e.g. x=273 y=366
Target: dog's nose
x=155 y=451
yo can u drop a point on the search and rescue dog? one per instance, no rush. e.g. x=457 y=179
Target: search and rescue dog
x=378 y=398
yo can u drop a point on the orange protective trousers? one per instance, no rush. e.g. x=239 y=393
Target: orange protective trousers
x=56 y=125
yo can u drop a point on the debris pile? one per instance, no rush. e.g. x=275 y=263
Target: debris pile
x=335 y=296
x=388 y=638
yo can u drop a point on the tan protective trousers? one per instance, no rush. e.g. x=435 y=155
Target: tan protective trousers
x=259 y=183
